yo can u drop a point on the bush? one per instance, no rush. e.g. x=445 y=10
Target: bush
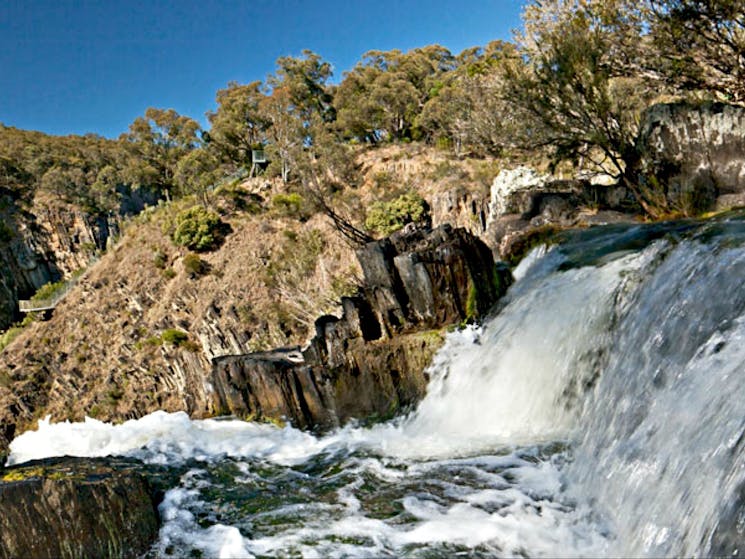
x=179 y=338
x=9 y=335
x=195 y=266
x=174 y=337
x=288 y=205
x=49 y=290
x=386 y=217
x=199 y=229
x=159 y=259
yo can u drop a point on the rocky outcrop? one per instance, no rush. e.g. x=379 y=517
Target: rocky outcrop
x=695 y=154
x=74 y=507
x=460 y=208
x=370 y=362
x=524 y=202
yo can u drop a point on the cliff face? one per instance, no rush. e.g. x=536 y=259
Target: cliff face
x=46 y=242
x=695 y=153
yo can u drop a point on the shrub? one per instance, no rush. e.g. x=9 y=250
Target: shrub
x=12 y=333
x=288 y=205
x=199 y=229
x=383 y=179
x=49 y=290
x=386 y=217
x=9 y=335
x=195 y=266
x=159 y=259
x=179 y=338
x=174 y=337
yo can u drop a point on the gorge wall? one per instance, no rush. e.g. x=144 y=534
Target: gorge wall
x=43 y=243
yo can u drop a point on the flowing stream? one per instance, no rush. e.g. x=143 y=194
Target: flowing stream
x=600 y=412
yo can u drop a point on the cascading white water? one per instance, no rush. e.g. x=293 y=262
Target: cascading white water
x=599 y=413
x=661 y=448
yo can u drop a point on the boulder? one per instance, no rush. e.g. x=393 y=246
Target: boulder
x=77 y=507
x=694 y=153
x=371 y=361
x=543 y=199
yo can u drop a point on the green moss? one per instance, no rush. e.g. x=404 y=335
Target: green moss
x=525 y=243
x=472 y=310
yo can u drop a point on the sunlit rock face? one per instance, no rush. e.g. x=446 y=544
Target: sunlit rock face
x=695 y=153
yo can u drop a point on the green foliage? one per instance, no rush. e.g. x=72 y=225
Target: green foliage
x=169 y=273
x=49 y=290
x=9 y=335
x=198 y=229
x=14 y=331
x=196 y=173
x=384 y=218
x=289 y=205
x=195 y=266
x=174 y=337
x=179 y=338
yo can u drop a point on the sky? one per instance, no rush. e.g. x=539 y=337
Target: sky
x=78 y=66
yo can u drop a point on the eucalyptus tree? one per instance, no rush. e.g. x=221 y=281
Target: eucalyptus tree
x=386 y=91
x=700 y=45
x=467 y=107
x=585 y=82
x=239 y=124
x=155 y=144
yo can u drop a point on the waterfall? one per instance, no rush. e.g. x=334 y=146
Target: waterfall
x=600 y=411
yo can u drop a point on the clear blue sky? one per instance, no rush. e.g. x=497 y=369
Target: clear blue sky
x=77 y=66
